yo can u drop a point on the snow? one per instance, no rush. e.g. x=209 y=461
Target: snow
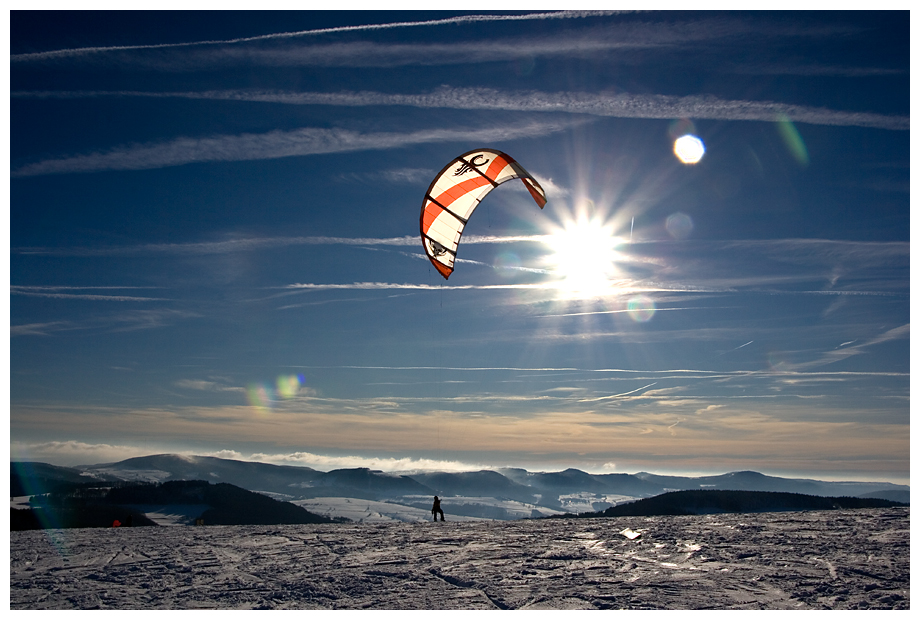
x=846 y=559
x=456 y=508
x=592 y=502
x=369 y=511
x=137 y=475
x=170 y=514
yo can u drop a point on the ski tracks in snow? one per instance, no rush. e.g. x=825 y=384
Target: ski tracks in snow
x=808 y=560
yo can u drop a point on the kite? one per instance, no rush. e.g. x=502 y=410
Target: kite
x=456 y=192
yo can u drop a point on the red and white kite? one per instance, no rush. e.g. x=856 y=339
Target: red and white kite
x=456 y=192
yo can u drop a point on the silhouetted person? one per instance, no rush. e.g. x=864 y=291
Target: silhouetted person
x=436 y=509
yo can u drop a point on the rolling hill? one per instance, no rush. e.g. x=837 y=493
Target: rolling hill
x=101 y=505
x=508 y=493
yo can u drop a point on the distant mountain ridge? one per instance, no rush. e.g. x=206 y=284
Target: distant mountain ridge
x=534 y=493
x=105 y=504
x=705 y=502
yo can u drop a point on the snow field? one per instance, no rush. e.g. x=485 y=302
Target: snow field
x=846 y=559
x=455 y=509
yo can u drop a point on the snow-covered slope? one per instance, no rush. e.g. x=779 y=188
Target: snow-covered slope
x=847 y=559
x=369 y=511
x=412 y=509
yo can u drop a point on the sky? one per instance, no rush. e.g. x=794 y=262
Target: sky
x=215 y=249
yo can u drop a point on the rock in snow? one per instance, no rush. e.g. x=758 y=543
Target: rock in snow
x=844 y=559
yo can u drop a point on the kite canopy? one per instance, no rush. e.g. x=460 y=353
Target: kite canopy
x=456 y=192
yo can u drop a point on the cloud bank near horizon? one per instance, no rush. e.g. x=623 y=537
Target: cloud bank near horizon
x=691 y=430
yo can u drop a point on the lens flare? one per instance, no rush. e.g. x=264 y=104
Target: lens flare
x=641 y=309
x=679 y=225
x=689 y=149
x=681 y=127
x=793 y=140
x=289 y=385
x=507 y=264
x=259 y=396
x=263 y=396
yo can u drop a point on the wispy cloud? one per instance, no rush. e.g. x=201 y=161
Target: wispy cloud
x=623 y=288
x=617 y=105
x=202 y=385
x=39 y=329
x=274 y=145
x=838 y=354
x=229 y=246
x=126 y=321
x=621 y=311
x=465 y=19
x=593 y=37
x=55 y=292
x=328 y=463
x=618 y=395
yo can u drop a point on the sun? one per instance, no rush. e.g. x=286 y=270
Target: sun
x=584 y=257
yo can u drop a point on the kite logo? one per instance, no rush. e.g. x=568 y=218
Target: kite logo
x=437 y=249
x=466 y=167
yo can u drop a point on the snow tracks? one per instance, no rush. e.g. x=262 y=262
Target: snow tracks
x=847 y=559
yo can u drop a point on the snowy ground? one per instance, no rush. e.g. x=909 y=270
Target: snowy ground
x=368 y=511
x=848 y=559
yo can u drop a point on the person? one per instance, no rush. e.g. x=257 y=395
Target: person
x=436 y=509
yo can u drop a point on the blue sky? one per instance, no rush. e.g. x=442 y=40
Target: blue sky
x=215 y=248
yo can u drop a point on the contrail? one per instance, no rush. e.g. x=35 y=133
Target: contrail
x=274 y=145
x=249 y=244
x=466 y=19
x=547 y=316
x=621 y=105
x=52 y=292
x=587 y=400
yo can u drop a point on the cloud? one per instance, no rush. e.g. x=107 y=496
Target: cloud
x=70 y=452
x=253 y=244
x=122 y=322
x=39 y=329
x=377 y=286
x=618 y=395
x=53 y=292
x=677 y=38
x=224 y=454
x=465 y=19
x=387 y=464
x=838 y=354
x=616 y=105
x=207 y=386
x=826 y=252
x=743 y=437
x=230 y=246
x=818 y=267
x=406 y=176
x=274 y=145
